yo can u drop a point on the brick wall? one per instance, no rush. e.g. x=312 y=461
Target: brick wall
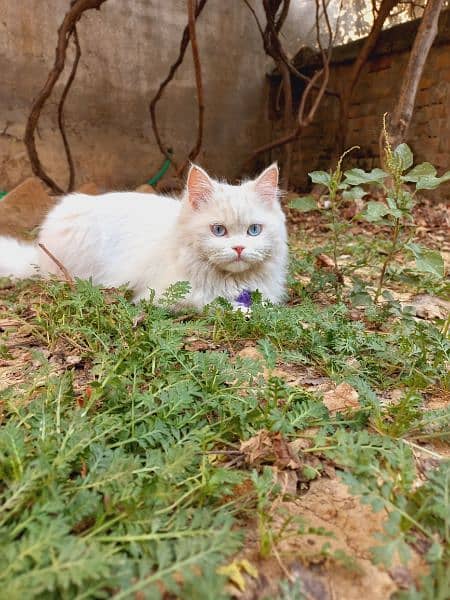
x=375 y=94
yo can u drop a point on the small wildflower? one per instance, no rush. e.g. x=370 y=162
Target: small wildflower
x=244 y=298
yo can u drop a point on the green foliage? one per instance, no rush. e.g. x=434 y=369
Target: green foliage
x=395 y=212
x=305 y=204
x=108 y=486
x=107 y=489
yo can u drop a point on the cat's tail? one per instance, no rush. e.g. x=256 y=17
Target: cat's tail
x=17 y=259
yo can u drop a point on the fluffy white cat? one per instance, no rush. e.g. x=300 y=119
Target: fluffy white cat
x=222 y=239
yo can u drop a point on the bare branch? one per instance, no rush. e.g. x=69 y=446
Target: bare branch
x=67 y=276
x=425 y=37
x=199 y=85
x=367 y=48
x=323 y=73
x=173 y=69
x=284 y=56
x=61 y=123
x=65 y=31
x=255 y=16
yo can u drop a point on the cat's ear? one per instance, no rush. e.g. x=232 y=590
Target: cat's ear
x=199 y=186
x=266 y=185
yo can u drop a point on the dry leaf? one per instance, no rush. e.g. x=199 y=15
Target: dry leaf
x=194 y=344
x=402 y=576
x=343 y=397
x=269 y=448
x=323 y=260
x=287 y=480
x=139 y=319
x=283 y=452
x=429 y=307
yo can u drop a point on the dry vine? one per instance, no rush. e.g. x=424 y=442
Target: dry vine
x=199 y=85
x=368 y=46
x=67 y=276
x=66 y=30
x=304 y=118
x=61 y=109
x=185 y=39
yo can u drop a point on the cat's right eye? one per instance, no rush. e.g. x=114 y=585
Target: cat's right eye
x=218 y=229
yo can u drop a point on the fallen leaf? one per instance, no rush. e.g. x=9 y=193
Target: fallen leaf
x=283 y=452
x=194 y=344
x=323 y=260
x=343 y=397
x=402 y=576
x=429 y=307
x=269 y=448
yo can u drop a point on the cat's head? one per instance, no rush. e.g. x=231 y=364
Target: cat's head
x=236 y=228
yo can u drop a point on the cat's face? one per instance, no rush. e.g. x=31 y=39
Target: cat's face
x=234 y=228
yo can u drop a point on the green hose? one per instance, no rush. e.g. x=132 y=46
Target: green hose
x=154 y=180
x=2 y=194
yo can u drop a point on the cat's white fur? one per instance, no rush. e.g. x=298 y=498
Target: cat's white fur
x=150 y=242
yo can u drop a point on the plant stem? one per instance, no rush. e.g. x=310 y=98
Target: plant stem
x=446 y=326
x=388 y=259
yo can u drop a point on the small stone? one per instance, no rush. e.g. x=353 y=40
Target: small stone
x=145 y=188
x=73 y=359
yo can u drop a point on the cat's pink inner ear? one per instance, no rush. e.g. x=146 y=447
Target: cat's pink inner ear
x=199 y=186
x=266 y=184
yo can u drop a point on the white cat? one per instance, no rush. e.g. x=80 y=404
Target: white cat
x=222 y=239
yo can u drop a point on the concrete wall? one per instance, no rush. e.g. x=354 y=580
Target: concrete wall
x=375 y=94
x=127 y=48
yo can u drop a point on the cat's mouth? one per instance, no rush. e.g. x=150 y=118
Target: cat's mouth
x=238 y=265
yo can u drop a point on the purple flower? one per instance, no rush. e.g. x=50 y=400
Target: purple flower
x=245 y=298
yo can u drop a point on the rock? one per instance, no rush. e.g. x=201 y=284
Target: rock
x=89 y=188
x=24 y=208
x=145 y=188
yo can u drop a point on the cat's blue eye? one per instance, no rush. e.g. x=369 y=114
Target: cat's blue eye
x=218 y=230
x=254 y=229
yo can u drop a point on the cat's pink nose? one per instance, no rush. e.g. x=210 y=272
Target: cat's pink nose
x=238 y=249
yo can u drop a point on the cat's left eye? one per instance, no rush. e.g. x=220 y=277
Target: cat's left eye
x=218 y=229
x=254 y=229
